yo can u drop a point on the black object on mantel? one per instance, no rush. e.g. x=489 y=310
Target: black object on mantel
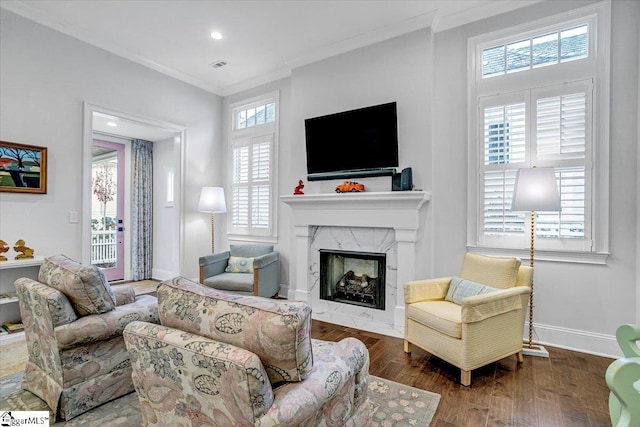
x=365 y=173
x=402 y=181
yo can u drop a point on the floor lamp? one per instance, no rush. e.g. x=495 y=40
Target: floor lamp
x=536 y=189
x=212 y=201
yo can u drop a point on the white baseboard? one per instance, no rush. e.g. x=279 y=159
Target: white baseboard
x=158 y=274
x=576 y=340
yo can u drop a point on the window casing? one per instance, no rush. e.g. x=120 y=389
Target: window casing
x=252 y=151
x=542 y=106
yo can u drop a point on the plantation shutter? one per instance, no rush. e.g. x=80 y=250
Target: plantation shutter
x=503 y=136
x=563 y=124
x=545 y=127
x=251 y=182
x=240 y=184
x=261 y=197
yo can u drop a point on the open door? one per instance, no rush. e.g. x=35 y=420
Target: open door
x=107 y=208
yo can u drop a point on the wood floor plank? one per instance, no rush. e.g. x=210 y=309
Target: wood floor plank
x=500 y=412
x=566 y=389
x=525 y=409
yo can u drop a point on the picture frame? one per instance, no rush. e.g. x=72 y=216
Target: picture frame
x=23 y=168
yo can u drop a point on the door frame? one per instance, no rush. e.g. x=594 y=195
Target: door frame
x=179 y=167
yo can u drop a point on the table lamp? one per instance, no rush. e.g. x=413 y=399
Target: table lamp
x=212 y=201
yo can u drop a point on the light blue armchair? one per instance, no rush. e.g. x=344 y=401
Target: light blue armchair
x=624 y=400
x=251 y=269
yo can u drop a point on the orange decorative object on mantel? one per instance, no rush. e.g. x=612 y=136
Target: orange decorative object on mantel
x=23 y=251
x=3 y=248
x=299 y=187
x=350 y=187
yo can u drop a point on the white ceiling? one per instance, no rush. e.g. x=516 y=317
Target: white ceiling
x=263 y=40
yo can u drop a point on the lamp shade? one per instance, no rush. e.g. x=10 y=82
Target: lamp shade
x=536 y=189
x=212 y=200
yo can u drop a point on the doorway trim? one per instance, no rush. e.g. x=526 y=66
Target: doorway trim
x=179 y=167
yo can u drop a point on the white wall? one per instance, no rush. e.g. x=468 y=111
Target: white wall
x=394 y=70
x=165 y=239
x=577 y=305
x=45 y=77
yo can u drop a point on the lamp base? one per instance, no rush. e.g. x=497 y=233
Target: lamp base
x=534 y=350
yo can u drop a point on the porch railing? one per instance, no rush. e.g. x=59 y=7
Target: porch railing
x=103 y=247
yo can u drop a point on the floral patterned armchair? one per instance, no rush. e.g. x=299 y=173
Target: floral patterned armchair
x=225 y=359
x=73 y=325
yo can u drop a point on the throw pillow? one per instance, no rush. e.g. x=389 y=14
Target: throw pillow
x=460 y=288
x=238 y=264
x=85 y=286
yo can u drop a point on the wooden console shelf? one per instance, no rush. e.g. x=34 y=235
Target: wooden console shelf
x=11 y=270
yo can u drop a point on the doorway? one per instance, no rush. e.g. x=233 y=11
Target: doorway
x=104 y=130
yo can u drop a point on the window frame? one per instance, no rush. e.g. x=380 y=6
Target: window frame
x=596 y=67
x=240 y=137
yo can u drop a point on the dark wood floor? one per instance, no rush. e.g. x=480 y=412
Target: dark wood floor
x=566 y=389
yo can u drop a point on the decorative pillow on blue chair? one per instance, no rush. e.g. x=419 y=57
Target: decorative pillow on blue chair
x=238 y=264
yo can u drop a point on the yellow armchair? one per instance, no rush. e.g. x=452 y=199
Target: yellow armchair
x=467 y=324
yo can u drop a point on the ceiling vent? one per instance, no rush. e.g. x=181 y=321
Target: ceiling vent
x=217 y=64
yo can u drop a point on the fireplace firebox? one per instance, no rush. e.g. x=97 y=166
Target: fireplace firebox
x=353 y=277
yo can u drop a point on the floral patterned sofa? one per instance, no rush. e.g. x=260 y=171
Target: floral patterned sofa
x=231 y=360
x=73 y=325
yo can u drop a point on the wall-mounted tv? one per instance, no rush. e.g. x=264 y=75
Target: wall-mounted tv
x=355 y=143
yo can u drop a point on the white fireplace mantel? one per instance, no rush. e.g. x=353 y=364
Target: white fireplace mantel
x=397 y=210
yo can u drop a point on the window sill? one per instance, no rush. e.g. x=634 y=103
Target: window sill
x=599 y=258
x=249 y=238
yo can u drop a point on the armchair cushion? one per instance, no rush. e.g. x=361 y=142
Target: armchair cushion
x=85 y=286
x=493 y=271
x=232 y=282
x=460 y=288
x=102 y=327
x=277 y=331
x=250 y=250
x=238 y=264
x=443 y=316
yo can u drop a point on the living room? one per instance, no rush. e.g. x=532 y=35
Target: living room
x=47 y=77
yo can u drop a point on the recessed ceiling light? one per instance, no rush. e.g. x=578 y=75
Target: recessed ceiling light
x=216 y=35
x=112 y=124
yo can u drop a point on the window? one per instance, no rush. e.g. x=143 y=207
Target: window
x=255 y=115
x=533 y=98
x=538 y=51
x=253 y=142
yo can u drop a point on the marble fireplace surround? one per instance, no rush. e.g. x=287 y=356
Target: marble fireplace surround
x=386 y=222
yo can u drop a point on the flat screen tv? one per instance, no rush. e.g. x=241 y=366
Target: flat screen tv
x=355 y=143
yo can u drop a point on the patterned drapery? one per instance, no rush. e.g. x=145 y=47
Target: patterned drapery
x=142 y=210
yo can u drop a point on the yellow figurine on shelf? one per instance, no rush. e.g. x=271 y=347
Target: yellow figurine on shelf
x=3 y=248
x=23 y=251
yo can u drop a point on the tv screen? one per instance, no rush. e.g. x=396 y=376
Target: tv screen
x=357 y=140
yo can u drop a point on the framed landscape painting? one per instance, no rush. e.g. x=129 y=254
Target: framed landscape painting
x=23 y=168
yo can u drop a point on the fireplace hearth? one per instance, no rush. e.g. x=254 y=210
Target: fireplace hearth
x=353 y=277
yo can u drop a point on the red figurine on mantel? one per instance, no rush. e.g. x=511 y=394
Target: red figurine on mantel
x=299 y=187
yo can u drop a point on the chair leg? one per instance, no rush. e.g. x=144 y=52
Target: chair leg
x=465 y=377
x=520 y=356
x=407 y=346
